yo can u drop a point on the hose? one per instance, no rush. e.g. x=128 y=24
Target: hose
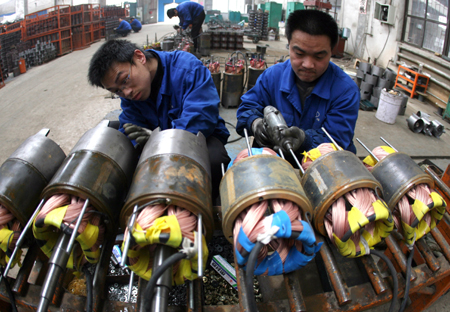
x=89 y=290
x=235 y=140
x=249 y=273
x=10 y=295
x=149 y=289
x=393 y=273
x=408 y=280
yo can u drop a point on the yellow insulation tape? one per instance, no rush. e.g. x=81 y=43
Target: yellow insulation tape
x=314 y=153
x=369 y=160
x=168 y=225
x=86 y=239
x=384 y=224
x=6 y=236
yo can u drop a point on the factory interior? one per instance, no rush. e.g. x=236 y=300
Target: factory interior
x=73 y=187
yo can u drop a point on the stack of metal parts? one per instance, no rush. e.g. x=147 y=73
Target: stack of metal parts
x=420 y=123
x=8 y=42
x=42 y=53
x=110 y=25
x=215 y=39
x=3 y=70
x=259 y=22
x=372 y=79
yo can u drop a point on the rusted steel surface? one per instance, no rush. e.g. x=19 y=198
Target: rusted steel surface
x=396 y=252
x=240 y=279
x=421 y=302
x=294 y=291
x=334 y=273
x=24 y=272
x=428 y=255
x=374 y=274
x=440 y=240
x=427 y=290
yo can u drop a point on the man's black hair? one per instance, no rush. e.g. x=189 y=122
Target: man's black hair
x=111 y=51
x=314 y=23
x=171 y=13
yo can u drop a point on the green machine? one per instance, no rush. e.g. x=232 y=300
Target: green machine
x=132 y=6
x=446 y=114
x=293 y=6
x=274 y=10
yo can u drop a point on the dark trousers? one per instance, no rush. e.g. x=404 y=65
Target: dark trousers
x=136 y=29
x=123 y=32
x=218 y=155
x=196 y=27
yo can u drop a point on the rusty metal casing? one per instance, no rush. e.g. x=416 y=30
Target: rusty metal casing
x=174 y=165
x=253 y=74
x=398 y=174
x=254 y=179
x=331 y=176
x=232 y=88
x=26 y=172
x=100 y=167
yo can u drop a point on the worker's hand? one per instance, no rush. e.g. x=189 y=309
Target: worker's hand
x=137 y=133
x=260 y=133
x=289 y=138
x=190 y=26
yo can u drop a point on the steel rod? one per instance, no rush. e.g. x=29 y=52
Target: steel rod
x=298 y=163
x=21 y=239
x=388 y=144
x=294 y=291
x=374 y=273
x=440 y=240
x=426 y=252
x=442 y=186
x=130 y=286
x=368 y=150
x=331 y=139
x=223 y=169
x=281 y=153
x=200 y=245
x=128 y=240
x=77 y=226
x=248 y=143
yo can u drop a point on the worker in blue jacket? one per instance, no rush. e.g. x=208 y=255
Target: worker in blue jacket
x=191 y=15
x=124 y=28
x=135 y=24
x=310 y=91
x=169 y=90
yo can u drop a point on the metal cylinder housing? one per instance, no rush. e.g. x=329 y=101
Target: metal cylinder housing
x=233 y=86
x=415 y=123
x=254 y=179
x=100 y=167
x=174 y=165
x=398 y=174
x=331 y=176
x=253 y=74
x=217 y=78
x=26 y=172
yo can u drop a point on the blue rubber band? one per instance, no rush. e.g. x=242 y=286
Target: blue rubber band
x=244 y=241
x=307 y=235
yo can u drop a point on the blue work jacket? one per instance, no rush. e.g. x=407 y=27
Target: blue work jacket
x=136 y=23
x=333 y=104
x=124 y=25
x=187 y=12
x=187 y=100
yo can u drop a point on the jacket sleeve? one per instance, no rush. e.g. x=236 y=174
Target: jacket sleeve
x=253 y=103
x=121 y=25
x=185 y=18
x=340 y=122
x=200 y=102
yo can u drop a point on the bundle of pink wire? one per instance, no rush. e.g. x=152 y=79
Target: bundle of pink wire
x=251 y=220
x=214 y=67
x=11 y=227
x=235 y=68
x=146 y=218
x=74 y=206
x=380 y=152
x=257 y=63
x=335 y=220
x=403 y=211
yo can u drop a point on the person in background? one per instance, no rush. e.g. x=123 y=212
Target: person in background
x=169 y=90
x=308 y=89
x=124 y=28
x=135 y=24
x=192 y=16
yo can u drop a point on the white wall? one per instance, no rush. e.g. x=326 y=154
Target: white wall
x=375 y=34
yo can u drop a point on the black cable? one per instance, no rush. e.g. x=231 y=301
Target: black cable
x=393 y=273
x=408 y=280
x=249 y=273
x=235 y=140
x=89 y=290
x=10 y=293
x=150 y=288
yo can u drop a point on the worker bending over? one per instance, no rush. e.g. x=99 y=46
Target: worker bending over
x=310 y=91
x=170 y=90
x=191 y=15
x=124 y=28
x=135 y=24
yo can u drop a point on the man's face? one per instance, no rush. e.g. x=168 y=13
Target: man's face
x=309 y=55
x=131 y=81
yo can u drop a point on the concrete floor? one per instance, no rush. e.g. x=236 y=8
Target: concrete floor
x=57 y=96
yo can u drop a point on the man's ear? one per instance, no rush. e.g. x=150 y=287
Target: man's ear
x=139 y=56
